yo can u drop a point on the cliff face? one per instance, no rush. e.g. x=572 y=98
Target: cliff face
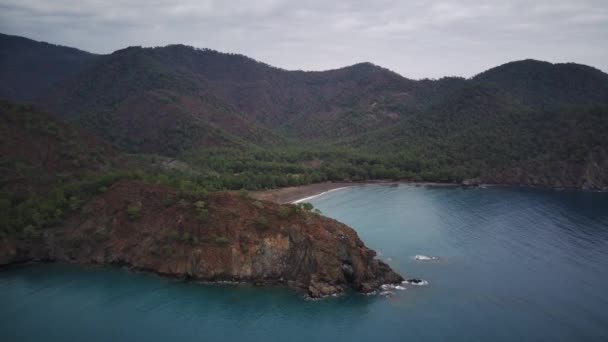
x=228 y=238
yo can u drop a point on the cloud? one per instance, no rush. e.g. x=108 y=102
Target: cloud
x=415 y=38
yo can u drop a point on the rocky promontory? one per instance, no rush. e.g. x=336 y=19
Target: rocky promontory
x=222 y=237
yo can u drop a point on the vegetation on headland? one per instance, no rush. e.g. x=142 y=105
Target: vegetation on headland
x=237 y=239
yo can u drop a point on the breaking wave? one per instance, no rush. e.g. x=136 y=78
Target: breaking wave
x=420 y=257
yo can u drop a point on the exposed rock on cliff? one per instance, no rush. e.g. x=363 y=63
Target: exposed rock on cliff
x=227 y=237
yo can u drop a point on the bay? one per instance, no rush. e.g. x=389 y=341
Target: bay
x=511 y=264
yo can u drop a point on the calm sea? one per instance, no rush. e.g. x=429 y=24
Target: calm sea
x=511 y=265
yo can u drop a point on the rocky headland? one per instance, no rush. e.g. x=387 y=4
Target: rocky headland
x=223 y=237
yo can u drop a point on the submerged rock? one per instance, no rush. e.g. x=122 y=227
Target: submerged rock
x=236 y=240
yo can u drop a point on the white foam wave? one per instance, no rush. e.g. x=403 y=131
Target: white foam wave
x=424 y=257
x=333 y=295
x=387 y=287
x=416 y=283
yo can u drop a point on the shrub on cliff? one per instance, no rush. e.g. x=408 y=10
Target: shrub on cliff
x=101 y=235
x=221 y=240
x=305 y=206
x=186 y=237
x=74 y=203
x=244 y=193
x=285 y=211
x=261 y=223
x=134 y=211
x=201 y=210
x=173 y=235
x=192 y=192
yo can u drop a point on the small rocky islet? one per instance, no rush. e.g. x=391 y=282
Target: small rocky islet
x=226 y=237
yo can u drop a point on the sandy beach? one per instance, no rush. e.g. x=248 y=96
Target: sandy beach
x=294 y=193
x=299 y=193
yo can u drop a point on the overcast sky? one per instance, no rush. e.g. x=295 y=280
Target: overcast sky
x=414 y=38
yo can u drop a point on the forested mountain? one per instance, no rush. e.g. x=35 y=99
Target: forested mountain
x=38 y=150
x=252 y=125
x=231 y=93
x=29 y=68
x=542 y=84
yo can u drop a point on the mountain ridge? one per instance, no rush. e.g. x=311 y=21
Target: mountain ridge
x=179 y=100
x=10 y=36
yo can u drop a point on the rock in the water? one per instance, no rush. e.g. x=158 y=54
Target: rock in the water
x=416 y=281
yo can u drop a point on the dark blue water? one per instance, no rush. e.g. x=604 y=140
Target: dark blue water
x=515 y=265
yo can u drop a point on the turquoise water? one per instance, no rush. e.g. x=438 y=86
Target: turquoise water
x=514 y=264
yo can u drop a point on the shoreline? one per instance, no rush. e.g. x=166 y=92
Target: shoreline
x=319 y=194
x=301 y=193
x=297 y=193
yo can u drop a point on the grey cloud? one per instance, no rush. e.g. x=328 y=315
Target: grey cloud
x=415 y=38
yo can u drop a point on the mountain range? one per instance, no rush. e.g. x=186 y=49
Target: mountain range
x=523 y=123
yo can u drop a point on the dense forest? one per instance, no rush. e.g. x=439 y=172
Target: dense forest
x=73 y=123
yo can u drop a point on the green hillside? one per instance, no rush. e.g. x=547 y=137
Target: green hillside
x=237 y=122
